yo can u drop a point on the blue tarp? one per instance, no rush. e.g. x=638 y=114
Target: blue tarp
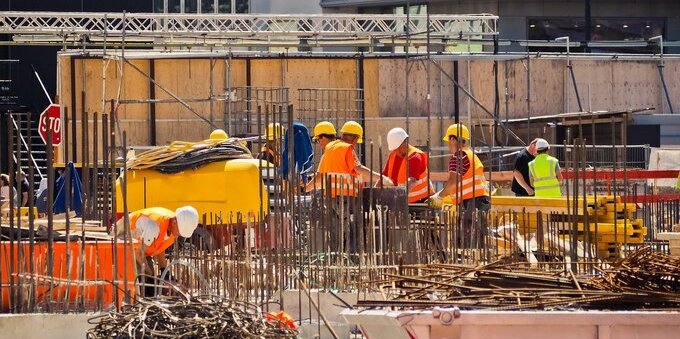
x=76 y=202
x=303 y=151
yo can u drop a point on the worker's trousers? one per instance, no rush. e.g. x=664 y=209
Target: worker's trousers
x=343 y=230
x=473 y=229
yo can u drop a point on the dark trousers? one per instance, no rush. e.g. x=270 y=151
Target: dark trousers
x=474 y=224
x=343 y=230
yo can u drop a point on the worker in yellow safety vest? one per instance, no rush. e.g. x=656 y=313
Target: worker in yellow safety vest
x=340 y=176
x=402 y=152
x=467 y=186
x=270 y=150
x=544 y=172
x=157 y=229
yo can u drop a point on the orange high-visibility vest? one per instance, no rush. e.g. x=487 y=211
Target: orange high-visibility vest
x=473 y=181
x=162 y=217
x=337 y=173
x=419 y=189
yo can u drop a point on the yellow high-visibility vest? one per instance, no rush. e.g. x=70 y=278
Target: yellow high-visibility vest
x=542 y=171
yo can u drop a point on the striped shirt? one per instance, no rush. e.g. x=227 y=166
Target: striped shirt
x=459 y=163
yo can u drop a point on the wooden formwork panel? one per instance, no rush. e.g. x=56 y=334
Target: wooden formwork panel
x=603 y=85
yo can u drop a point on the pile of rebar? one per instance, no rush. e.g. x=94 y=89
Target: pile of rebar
x=193 y=317
x=642 y=270
x=646 y=280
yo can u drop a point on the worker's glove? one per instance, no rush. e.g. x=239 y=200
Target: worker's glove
x=436 y=201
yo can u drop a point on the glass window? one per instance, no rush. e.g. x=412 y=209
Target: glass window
x=190 y=6
x=158 y=6
x=207 y=6
x=602 y=29
x=174 y=6
x=242 y=6
x=224 y=6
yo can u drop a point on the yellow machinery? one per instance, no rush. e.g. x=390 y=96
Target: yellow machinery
x=228 y=194
x=610 y=222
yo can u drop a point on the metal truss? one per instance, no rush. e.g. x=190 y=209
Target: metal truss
x=43 y=26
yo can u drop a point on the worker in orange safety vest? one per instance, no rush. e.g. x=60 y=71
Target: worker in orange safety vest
x=419 y=187
x=157 y=229
x=467 y=186
x=340 y=175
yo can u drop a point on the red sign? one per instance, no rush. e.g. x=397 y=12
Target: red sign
x=50 y=119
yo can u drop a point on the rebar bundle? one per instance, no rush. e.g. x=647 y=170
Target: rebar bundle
x=645 y=280
x=193 y=317
x=643 y=269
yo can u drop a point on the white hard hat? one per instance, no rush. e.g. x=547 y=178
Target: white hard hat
x=542 y=144
x=146 y=229
x=395 y=137
x=187 y=220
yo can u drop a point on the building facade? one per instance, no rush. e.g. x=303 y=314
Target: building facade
x=618 y=26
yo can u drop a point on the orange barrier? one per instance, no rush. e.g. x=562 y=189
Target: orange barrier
x=96 y=288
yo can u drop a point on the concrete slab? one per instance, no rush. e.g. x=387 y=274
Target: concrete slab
x=41 y=325
x=520 y=325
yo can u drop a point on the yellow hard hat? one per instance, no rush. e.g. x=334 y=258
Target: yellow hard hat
x=458 y=131
x=274 y=131
x=353 y=127
x=323 y=127
x=219 y=134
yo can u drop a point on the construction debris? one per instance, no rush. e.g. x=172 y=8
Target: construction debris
x=645 y=280
x=188 y=317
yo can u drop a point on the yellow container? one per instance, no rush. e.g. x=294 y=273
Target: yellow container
x=223 y=188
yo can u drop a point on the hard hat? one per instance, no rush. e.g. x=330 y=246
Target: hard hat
x=353 y=127
x=457 y=130
x=542 y=144
x=323 y=127
x=274 y=131
x=219 y=134
x=187 y=220
x=146 y=229
x=395 y=137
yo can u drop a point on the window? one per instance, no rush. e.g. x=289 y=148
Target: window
x=174 y=6
x=224 y=6
x=201 y=6
x=207 y=6
x=190 y=6
x=602 y=29
x=158 y=6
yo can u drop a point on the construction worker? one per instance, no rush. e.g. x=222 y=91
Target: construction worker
x=467 y=186
x=157 y=229
x=419 y=187
x=270 y=150
x=545 y=172
x=521 y=184
x=340 y=172
x=324 y=132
